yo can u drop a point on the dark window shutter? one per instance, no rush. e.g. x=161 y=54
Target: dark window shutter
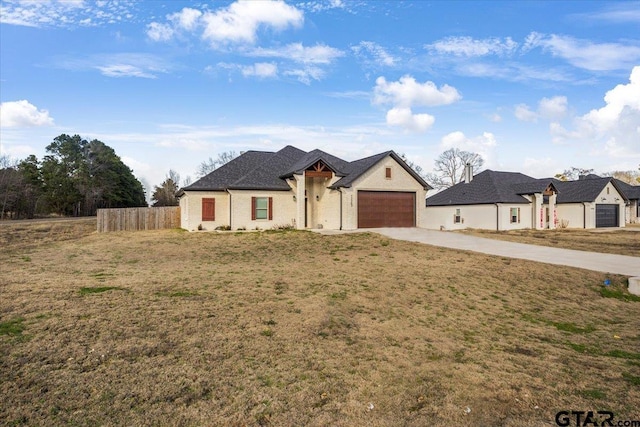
x=270 y=208
x=208 y=209
x=518 y=215
x=253 y=208
x=388 y=172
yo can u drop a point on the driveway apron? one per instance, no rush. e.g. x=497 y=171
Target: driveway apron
x=607 y=263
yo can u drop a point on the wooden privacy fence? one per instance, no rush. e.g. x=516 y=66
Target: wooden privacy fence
x=131 y=219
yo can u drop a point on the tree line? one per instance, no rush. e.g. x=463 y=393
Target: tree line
x=75 y=178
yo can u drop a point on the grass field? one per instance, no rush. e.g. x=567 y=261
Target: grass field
x=621 y=242
x=294 y=328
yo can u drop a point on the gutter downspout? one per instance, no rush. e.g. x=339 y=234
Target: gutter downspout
x=230 y=227
x=497 y=217
x=340 y=190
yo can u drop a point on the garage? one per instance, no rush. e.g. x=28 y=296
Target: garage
x=607 y=216
x=386 y=209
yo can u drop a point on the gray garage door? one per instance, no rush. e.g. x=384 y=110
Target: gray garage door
x=607 y=215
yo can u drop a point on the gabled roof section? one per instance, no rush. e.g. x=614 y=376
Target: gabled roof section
x=336 y=164
x=260 y=170
x=534 y=186
x=267 y=175
x=489 y=187
x=632 y=192
x=583 y=190
x=221 y=178
x=357 y=168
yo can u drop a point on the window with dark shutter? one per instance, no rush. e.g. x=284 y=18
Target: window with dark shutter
x=261 y=208
x=208 y=209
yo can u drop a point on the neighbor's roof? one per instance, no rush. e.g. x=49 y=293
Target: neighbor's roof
x=260 y=170
x=585 y=189
x=490 y=187
x=631 y=191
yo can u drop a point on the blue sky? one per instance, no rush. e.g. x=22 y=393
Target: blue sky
x=534 y=87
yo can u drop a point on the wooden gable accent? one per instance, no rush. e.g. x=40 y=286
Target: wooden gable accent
x=318 y=170
x=549 y=191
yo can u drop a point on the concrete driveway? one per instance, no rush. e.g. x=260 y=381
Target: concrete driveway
x=607 y=263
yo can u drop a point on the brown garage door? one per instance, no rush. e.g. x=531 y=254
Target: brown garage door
x=386 y=209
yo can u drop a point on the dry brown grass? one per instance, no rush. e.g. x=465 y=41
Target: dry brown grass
x=622 y=242
x=294 y=328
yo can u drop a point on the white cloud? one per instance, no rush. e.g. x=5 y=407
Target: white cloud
x=586 y=54
x=404 y=118
x=237 y=23
x=23 y=114
x=260 y=69
x=380 y=56
x=240 y=22
x=553 y=109
x=187 y=19
x=320 y=6
x=469 y=47
x=495 y=118
x=160 y=32
x=484 y=144
x=613 y=129
x=406 y=92
x=524 y=113
x=124 y=70
x=66 y=13
x=615 y=13
x=118 y=65
x=318 y=54
x=306 y=75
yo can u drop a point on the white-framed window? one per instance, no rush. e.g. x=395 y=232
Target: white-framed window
x=514 y=215
x=457 y=218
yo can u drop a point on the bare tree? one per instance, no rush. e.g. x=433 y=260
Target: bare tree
x=572 y=173
x=630 y=177
x=449 y=167
x=416 y=168
x=211 y=164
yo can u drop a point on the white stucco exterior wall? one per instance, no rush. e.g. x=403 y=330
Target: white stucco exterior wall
x=574 y=214
x=191 y=210
x=486 y=217
x=375 y=180
x=284 y=209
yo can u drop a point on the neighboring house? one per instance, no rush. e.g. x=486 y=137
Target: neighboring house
x=262 y=190
x=495 y=200
x=632 y=211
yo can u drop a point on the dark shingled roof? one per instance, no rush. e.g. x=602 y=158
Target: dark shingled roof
x=259 y=170
x=488 y=187
x=583 y=190
x=337 y=165
x=631 y=191
x=356 y=168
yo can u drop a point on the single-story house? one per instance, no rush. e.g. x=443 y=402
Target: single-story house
x=494 y=200
x=632 y=211
x=291 y=187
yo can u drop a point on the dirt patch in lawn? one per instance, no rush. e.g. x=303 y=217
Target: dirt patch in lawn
x=621 y=242
x=295 y=328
